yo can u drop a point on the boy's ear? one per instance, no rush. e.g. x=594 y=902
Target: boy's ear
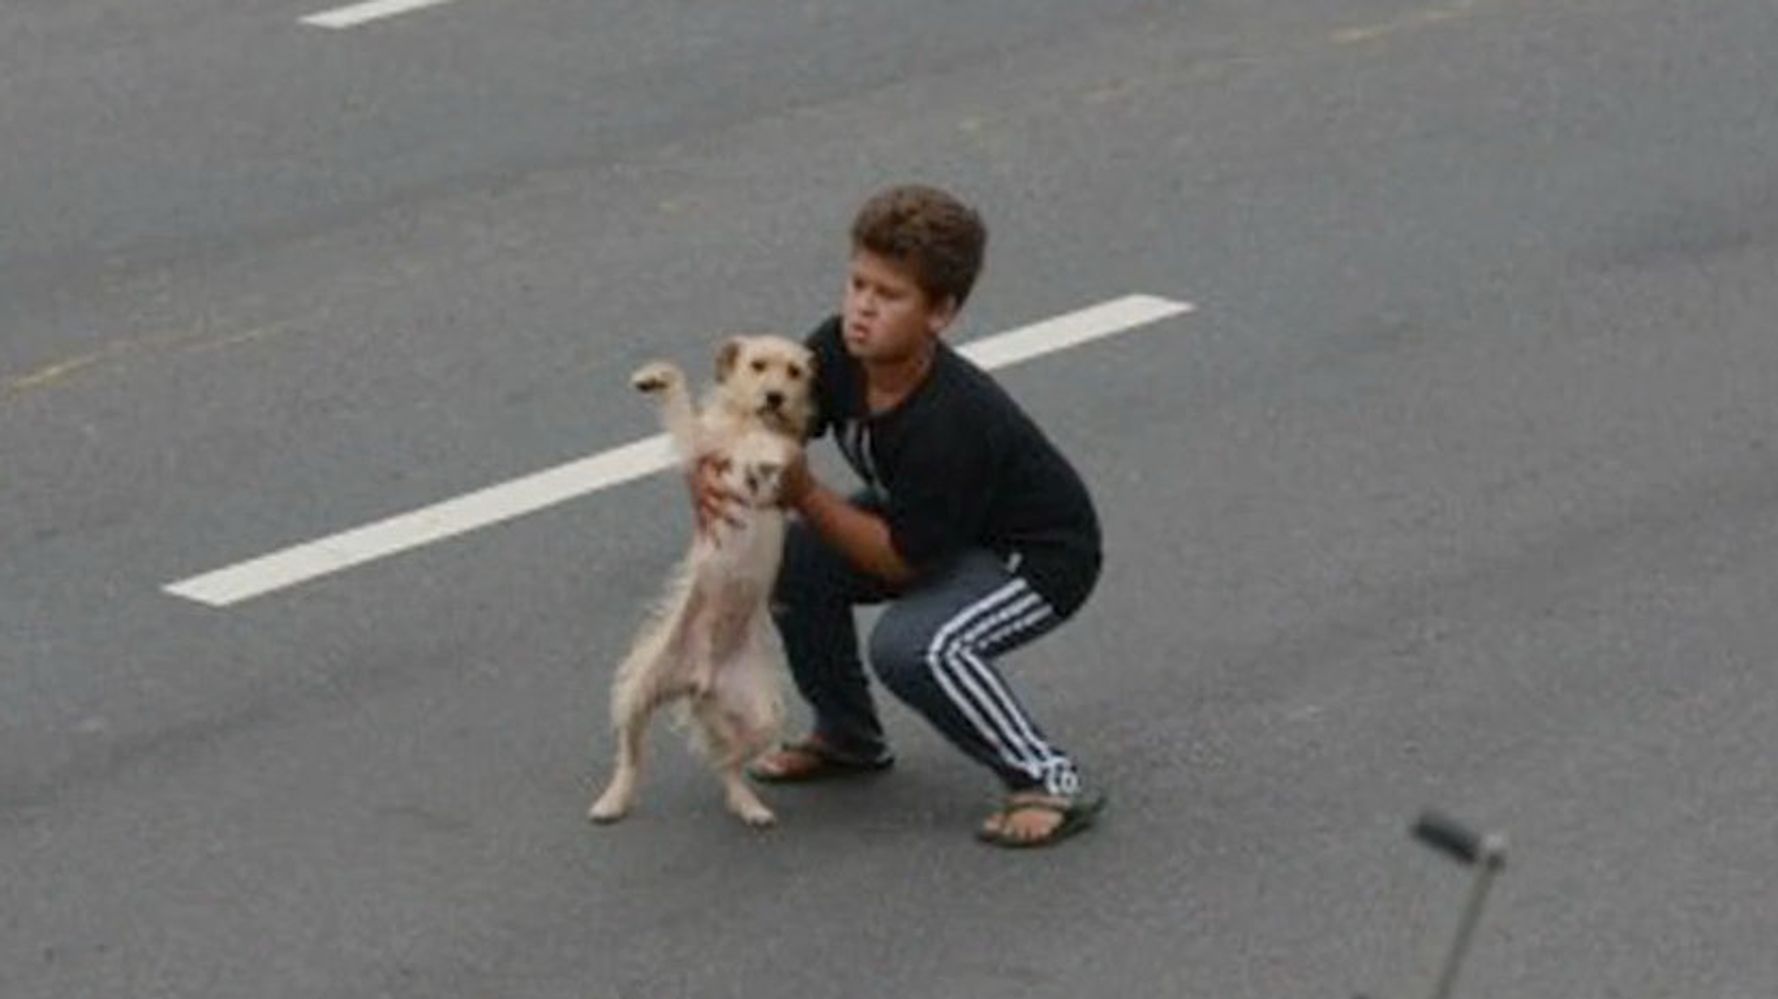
x=726 y=356
x=939 y=319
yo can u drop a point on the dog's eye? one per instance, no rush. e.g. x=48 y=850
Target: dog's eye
x=796 y=373
x=759 y=366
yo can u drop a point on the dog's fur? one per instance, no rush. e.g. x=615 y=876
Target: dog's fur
x=709 y=646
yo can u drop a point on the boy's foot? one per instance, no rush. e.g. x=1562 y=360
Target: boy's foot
x=1032 y=818
x=811 y=760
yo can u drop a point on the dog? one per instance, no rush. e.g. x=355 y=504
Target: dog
x=708 y=647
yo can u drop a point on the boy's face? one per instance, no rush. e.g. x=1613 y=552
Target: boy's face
x=888 y=317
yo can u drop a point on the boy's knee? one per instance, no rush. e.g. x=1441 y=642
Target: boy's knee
x=900 y=657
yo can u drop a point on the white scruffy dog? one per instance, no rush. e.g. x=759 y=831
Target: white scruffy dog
x=709 y=645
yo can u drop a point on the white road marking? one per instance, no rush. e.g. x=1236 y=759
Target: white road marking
x=530 y=493
x=361 y=13
x=1070 y=330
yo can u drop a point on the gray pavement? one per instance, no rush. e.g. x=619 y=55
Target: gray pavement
x=1459 y=488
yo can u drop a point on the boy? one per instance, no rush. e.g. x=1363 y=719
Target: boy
x=973 y=528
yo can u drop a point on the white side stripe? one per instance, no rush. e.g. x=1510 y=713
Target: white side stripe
x=977 y=691
x=1007 y=724
x=936 y=663
x=1000 y=700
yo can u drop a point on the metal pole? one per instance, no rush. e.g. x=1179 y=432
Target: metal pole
x=1472 y=913
x=1487 y=854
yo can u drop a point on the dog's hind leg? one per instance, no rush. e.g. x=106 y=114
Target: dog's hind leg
x=732 y=742
x=639 y=690
x=620 y=794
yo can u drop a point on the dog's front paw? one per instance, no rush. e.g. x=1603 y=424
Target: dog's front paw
x=656 y=376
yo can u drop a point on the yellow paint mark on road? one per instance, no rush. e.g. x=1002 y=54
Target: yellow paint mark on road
x=52 y=373
x=1405 y=22
x=1109 y=91
x=235 y=339
x=56 y=373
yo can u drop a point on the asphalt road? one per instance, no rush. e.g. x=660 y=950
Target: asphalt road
x=1459 y=488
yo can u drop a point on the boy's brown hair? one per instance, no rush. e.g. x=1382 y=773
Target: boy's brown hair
x=938 y=238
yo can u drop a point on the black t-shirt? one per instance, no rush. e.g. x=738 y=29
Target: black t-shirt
x=958 y=465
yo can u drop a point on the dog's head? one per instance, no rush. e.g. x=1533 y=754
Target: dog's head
x=769 y=377
x=752 y=467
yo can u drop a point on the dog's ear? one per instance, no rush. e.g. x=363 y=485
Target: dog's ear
x=726 y=356
x=800 y=416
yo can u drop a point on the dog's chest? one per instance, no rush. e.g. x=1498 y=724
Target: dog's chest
x=747 y=552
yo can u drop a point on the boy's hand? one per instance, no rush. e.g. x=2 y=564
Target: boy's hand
x=710 y=501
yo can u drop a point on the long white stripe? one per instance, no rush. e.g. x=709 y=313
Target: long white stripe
x=528 y=494
x=1011 y=729
x=1119 y=315
x=427 y=524
x=936 y=656
x=1055 y=770
x=1036 y=617
x=968 y=679
x=1011 y=591
x=1010 y=745
x=998 y=695
x=976 y=674
x=362 y=13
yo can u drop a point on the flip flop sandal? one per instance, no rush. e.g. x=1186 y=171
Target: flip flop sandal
x=826 y=765
x=1078 y=814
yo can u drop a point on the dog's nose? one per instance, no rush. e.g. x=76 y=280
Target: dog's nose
x=774 y=399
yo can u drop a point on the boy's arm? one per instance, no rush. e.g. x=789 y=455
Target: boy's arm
x=711 y=503
x=861 y=536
